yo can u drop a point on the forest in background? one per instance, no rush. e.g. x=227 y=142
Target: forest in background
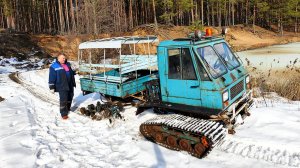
x=106 y=16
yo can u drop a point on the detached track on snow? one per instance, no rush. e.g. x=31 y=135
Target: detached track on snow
x=229 y=145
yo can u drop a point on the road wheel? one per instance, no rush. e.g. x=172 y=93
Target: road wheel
x=159 y=137
x=199 y=149
x=185 y=145
x=172 y=141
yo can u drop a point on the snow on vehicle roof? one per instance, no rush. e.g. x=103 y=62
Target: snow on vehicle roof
x=116 y=42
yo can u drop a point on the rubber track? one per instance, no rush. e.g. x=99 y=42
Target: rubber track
x=213 y=131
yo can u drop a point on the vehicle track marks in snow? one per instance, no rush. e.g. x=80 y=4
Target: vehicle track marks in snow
x=39 y=92
x=81 y=142
x=260 y=151
x=78 y=141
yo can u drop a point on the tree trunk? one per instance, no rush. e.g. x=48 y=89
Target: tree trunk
x=154 y=15
x=254 y=18
x=57 y=17
x=207 y=14
x=296 y=22
x=72 y=16
x=196 y=11
x=232 y=13
x=2 y=19
x=281 y=25
x=49 y=16
x=67 y=16
x=219 y=14
x=125 y=16
x=130 y=15
x=192 y=11
x=247 y=4
x=77 y=17
x=95 y=18
x=87 y=17
x=202 y=13
x=61 y=22
x=212 y=15
x=10 y=20
x=225 y=13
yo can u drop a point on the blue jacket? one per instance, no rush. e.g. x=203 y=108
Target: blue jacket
x=58 y=79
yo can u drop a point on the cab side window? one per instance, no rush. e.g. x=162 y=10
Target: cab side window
x=181 y=65
x=174 y=64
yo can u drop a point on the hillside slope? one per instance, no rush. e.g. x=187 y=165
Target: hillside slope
x=24 y=45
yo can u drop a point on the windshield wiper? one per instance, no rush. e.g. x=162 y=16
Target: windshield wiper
x=228 y=62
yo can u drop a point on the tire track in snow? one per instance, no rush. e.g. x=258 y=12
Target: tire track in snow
x=39 y=92
x=259 y=151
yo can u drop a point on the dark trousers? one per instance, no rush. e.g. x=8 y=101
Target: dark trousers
x=65 y=101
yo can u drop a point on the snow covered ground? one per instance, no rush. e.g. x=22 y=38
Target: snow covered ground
x=33 y=134
x=12 y=64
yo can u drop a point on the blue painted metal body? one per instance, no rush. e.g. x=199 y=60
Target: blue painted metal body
x=123 y=81
x=116 y=89
x=196 y=92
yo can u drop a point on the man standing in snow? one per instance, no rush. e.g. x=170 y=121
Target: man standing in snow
x=61 y=80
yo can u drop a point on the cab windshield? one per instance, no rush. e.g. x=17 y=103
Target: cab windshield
x=226 y=54
x=212 y=61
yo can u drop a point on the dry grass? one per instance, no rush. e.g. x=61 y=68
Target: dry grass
x=286 y=83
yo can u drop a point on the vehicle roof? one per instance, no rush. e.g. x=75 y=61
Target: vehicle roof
x=189 y=42
x=117 y=42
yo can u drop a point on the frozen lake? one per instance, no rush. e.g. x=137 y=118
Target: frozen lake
x=273 y=57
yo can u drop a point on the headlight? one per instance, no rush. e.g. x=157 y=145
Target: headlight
x=225 y=96
x=247 y=79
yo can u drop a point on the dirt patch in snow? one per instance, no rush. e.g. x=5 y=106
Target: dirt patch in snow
x=1 y=99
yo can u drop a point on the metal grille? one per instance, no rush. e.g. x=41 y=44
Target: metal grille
x=235 y=90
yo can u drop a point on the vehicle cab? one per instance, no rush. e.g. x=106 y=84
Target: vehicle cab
x=204 y=77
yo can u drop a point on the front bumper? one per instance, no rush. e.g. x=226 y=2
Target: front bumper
x=242 y=105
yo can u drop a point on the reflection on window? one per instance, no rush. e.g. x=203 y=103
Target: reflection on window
x=188 y=71
x=212 y=61
x=181 y=64
x=227 y=55
x=203 y=74
x=174 y=64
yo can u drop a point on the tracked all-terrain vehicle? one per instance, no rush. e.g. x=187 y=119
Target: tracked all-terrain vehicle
x=197 y=84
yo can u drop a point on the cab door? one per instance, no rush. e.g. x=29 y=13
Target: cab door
x=181 y=83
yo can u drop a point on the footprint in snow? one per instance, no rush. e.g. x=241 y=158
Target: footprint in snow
x=27 y=143
x=12 y=124
x=18 y=112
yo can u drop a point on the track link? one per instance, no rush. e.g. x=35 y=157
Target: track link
x=179 y=132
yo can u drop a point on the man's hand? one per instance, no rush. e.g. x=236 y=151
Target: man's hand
x=52 y=91
x=76 y=72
